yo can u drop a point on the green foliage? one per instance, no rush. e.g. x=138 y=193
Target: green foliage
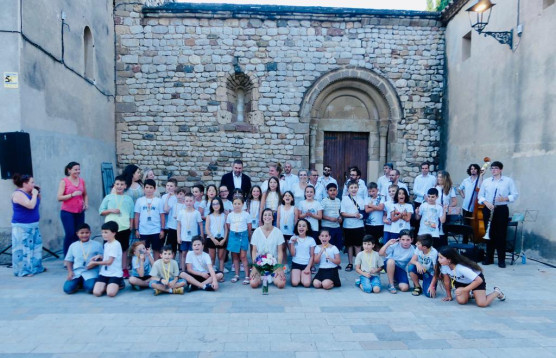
x=441 y=4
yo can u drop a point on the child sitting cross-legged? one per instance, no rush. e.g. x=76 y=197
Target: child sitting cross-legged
x=199 y=273
x=368 y=265
x=141 y=263
x=164 y=274
x=422 y=266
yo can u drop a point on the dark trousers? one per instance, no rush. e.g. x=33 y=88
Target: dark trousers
x=497 y=233
x=70 y=222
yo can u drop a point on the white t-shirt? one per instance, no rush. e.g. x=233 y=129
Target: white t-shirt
x=172 y=201
x=303 y=250
x=173 y=215
x=312 y=207
x=430 y=219
x=461 y=274
x=149 y=215
x=401 y=224
x=112 y=249
x=238 y=221
x=375 y=217
x=200 y=262
x=349 y=207
x=328 y=256
x=399 y=254
x=217 y=225
x=254 y=207
x=267 y=244
x=444 y=199
x=388 y=208
x=189 y=221
x=287 y=218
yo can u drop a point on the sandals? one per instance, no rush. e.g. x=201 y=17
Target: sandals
x=392 y=289
x=246 y=281
x=417 y=291
x=501 y=295
x=235 y=279
x=349 y=268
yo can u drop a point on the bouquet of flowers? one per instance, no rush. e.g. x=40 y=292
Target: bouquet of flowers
x=266 y=264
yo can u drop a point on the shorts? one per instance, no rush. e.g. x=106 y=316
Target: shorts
x=426 y=277
x=336 y=236
x=400 y=274
x=153 y=241
x=387 y=236
x=329 y=274
x=238 y=241
x=143 y=278
x=123 y=239
x=375 y=230
x=296 y=266
x=201 y=278
x=185 y=246
x=171 y=239
x=481 y=287
x=369 y=283
x=354 y=237
x=109 y=280
x=210 y=245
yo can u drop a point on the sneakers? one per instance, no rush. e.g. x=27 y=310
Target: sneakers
x=357 y=283
x=157 y=292
x=178 y=291
x=126 y=273
x=392 y=289
x=208 y=287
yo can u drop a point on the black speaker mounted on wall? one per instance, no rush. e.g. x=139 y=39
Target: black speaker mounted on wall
x=15 y=154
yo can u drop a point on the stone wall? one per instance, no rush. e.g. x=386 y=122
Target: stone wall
x=174 y=64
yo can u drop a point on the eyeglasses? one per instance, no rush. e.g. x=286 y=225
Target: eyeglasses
x=314 y=175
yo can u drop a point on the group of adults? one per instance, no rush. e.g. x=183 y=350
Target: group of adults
x=495 y=193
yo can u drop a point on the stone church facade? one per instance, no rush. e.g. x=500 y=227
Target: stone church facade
x=200 y=85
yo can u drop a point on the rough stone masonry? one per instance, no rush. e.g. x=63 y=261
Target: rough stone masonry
x=177 y=65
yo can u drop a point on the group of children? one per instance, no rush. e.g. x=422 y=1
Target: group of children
x=313 y=232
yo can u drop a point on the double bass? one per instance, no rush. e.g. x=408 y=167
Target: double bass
x=477 y=220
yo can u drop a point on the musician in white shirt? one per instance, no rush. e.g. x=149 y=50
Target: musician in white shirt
x=496 y=193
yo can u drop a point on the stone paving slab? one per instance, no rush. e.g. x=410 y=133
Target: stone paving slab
x=37 y=319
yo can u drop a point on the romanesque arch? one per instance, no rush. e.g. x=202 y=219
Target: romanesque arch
x=374 y=108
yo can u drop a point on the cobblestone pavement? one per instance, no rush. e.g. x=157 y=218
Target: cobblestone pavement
x=38 y=319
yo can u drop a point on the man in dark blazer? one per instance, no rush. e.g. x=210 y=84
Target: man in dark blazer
x=236 y=179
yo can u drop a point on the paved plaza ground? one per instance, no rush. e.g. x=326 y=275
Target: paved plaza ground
x=38 y=319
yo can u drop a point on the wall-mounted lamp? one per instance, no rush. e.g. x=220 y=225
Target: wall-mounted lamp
x=482 y=9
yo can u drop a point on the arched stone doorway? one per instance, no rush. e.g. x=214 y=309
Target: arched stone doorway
x=357 y=101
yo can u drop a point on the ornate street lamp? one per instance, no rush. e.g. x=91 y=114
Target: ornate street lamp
x=479 y=16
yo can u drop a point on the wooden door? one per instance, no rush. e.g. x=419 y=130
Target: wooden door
x=343 y=150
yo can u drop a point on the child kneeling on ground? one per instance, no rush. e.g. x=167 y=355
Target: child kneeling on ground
x=398 y=253
x=328 y=258
x=468 y=278
x=111 y=278
x=199 y=271
x=368 y=265
x=164 y=274
x=79 y=255
x=423 y=265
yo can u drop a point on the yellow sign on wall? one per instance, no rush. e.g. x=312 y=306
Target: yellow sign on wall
x=11 y=80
